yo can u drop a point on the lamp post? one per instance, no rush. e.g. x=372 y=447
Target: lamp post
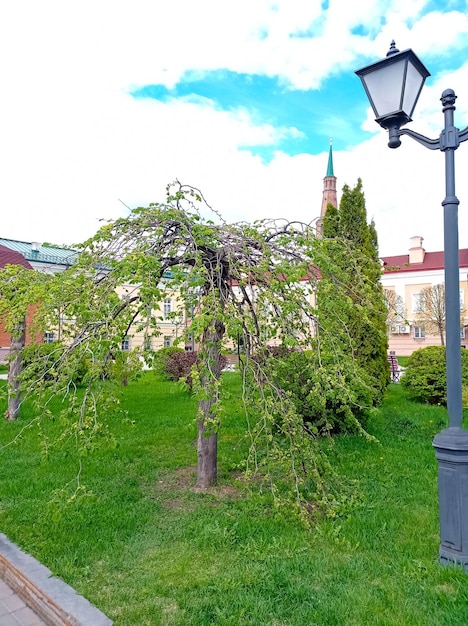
x=393 y=86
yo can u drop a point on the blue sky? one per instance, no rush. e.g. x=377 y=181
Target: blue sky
x=308 y=118
x=106 y=102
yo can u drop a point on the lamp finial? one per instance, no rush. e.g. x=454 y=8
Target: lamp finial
x=393 y=49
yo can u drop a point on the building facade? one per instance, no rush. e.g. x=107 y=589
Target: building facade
x=406 y=280
x=172 y=319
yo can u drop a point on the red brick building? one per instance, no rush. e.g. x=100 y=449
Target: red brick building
x=10 y=257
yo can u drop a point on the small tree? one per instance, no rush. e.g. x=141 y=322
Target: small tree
x=18 y=341
x=20 y=289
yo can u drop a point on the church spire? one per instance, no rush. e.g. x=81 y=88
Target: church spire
x=329 y=191
x=330 y=160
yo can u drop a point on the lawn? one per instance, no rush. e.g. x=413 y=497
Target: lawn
x=148 y=550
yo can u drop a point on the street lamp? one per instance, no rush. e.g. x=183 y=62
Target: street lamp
x=393 y=86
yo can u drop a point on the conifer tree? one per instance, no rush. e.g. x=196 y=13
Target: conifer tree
x=331 y=222
x=366 y=323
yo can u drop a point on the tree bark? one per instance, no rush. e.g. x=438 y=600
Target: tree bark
x=18 y=340
x=207 y=448
x=207 y=439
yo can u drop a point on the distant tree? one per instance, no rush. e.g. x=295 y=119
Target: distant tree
x=396 y=310
x=431 y=310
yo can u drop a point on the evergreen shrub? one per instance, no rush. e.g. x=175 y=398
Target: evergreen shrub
x=425 y=375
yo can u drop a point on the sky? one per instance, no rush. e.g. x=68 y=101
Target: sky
x=105 y=102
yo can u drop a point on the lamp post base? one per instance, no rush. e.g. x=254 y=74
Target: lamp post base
x=451 y=447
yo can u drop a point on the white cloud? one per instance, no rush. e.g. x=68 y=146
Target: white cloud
x=74 y=143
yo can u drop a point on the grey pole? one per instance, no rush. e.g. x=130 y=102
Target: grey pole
x=451 y=444
x=449 y=143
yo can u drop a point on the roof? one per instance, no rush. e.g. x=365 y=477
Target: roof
x=10 y=257
x=41 y=253
x=330 y=163
x=432 y=261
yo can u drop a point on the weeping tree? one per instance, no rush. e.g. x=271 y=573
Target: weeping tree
x=249 y=283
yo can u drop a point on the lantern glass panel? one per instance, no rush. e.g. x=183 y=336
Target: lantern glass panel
x=414 y=83
x=384 y=85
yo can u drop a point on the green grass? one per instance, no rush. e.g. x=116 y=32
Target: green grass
x=402 y=360
x=148 y=550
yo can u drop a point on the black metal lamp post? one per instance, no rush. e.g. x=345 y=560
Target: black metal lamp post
x=393 y=86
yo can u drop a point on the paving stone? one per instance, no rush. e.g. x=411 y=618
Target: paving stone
x=9 y=620
x=4 y=610
x=5 y=590
x=13 y=610
x=27 y=617
x=13 y=602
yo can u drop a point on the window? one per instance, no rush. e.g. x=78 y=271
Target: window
x=419 y=332
x=148 y=344
x=167 y=341
x=462 y=332
x=126 y=344
x=167 y=307
x=49 y=337
x=416 y=305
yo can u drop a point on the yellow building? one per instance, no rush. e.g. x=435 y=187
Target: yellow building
x=405 y=279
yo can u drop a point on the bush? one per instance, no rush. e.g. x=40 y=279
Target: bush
x=161 y=358
x=329 y=396
x=124 y=366
x=179 y=365
x=425 y=375
x=41 y=359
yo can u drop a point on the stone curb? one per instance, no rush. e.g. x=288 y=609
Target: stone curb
x=56 y=603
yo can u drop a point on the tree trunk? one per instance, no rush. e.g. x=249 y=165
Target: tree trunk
x=441 y=333
x=207 y=440
x=207 y=448
x=18 y=339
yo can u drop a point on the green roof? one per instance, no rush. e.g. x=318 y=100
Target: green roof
x=41 y=253
x=330 y=162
